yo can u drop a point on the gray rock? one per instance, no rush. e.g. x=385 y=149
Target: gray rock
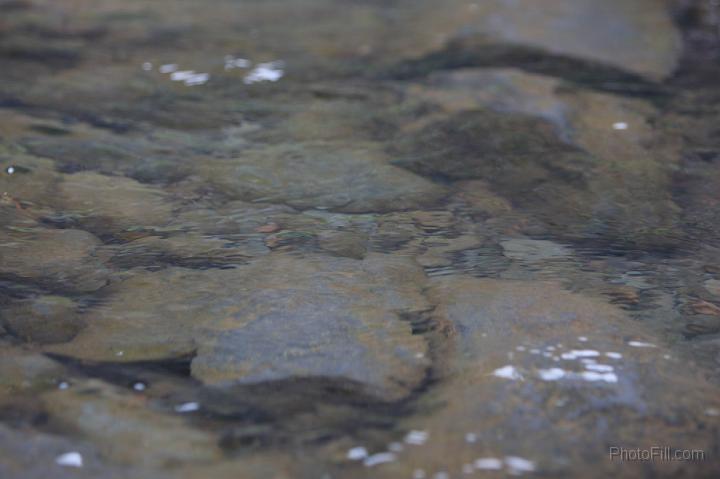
x=277 y=317
x=323 y=318
x=346 y=179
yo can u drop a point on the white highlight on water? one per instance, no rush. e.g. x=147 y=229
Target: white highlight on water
x=379 y=458
x=187 y=407
x=600 y=368
x=70 y=459
x=580 y=353
x=552 y=374
x=357 y=453
x=271 y=71
x=507 y=372
x=417 y=438
x=488 y=464
x=519 y=465
x=190 y=77
x=593 y=376
x=231 y=62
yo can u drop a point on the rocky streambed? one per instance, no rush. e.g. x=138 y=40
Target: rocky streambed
x=340 y=239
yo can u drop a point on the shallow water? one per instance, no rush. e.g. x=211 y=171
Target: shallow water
x=350 y=238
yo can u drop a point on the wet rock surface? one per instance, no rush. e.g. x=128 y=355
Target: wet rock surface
x=332 y=239
x=341 y=179
x=64 y=260
x=533 y=363
x=42 y=319
x=276 y=318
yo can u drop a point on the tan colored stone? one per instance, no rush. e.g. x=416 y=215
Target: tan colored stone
x=65 y=260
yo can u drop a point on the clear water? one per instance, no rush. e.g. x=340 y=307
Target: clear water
x=350 y=238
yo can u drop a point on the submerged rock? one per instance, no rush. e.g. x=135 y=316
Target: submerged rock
x=100 y=203
x=63 y=260
x=188 y=250
x=28 y=454
x=44 y=319
x=591 y=166
x=322 y=317
x=643 y=39
x=345 y=179
x=533 y=251
x=24 y=371
x=237 y=218
x=125 y=430
x=278 y=317
x=113 y=203
x=559 y=376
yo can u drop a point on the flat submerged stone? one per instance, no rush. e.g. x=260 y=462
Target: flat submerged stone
x=553 y=377
x=279 y=317
x=347 y=179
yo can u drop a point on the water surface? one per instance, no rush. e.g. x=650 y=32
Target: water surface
x=351 y=238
